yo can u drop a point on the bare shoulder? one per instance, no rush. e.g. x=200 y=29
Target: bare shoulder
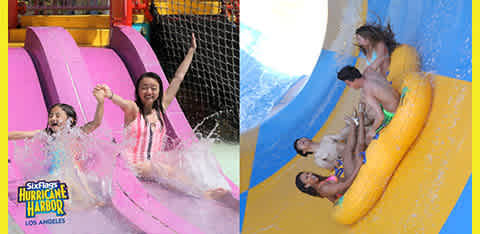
x=381 y=47
x=328 y=189
x=132 y=110
x=374 y=89
x=322 y=190
x=132 y=106
x=369 y=86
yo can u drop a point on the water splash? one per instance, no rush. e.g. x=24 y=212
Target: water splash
x=190 y=166
x=83 y=162
x=260 y=90
x=185 y=174
x=182 y=174
x=277 y=49
x=351 y=20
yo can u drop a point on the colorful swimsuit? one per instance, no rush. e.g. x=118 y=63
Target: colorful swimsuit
x=338 y=171
x=55 y=161
x=334 y=179
x=374 y=56
x=147 y=138
x=339 y=196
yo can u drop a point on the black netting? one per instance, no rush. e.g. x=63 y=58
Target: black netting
x=211 y=86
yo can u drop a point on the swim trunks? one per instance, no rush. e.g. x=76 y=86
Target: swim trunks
x=387 y=117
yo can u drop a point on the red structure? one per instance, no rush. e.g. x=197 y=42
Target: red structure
x=233 y=10
x=142 y=5
x=121 y=11
x=12 y=14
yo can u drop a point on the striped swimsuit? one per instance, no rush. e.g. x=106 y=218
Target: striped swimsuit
x=147 y=139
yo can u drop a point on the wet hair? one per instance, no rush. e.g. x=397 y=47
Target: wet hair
x=376 y=33
x=298 y=150
x=349 y=73
x=70 y=114
x=157 y=104
x=310 y=190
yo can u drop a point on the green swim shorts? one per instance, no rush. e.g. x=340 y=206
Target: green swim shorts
x=387 y=117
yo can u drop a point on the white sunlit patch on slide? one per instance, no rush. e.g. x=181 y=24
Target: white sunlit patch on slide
x=280 y=43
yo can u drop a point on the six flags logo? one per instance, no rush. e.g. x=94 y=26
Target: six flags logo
x=43 y=197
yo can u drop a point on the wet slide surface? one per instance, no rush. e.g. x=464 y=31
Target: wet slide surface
x=23 y=78
x=208 y=215
x=430 y=191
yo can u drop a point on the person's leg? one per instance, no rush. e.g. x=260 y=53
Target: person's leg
x=360 y=147
x=369 y=114
x=348 y=164
x=224 y=196
x=352 y=157
x=343 y=134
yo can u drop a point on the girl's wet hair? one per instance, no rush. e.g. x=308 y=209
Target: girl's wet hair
x=310 y=190
x=298 y=150
x=376 y=33
x=70 y=114
x=157 y=104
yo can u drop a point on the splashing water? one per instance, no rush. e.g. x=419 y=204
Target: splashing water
x=182 y=174
x=351 y=20
x=277 y=49
x=189 y=166
x=83 y=162
x=260 y=90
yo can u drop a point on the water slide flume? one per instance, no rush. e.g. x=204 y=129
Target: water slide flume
x=430 y=189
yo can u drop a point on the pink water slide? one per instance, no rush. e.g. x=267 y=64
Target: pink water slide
x=51 y=68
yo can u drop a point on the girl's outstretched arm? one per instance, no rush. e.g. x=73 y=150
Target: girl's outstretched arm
x=128 y=107
x=179 y=75
x=19 y=135
x=97 y=120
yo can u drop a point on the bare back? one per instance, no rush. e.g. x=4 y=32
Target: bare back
x=379 y=89
x=382 y=51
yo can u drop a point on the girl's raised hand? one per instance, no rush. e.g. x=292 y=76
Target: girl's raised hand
x=99 y=93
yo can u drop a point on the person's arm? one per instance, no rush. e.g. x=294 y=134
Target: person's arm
x=368 y=116
x=328 y=190
x=174 y=85
x=341 y=136
x=378 y=63
x=382 y=61
x=88 y=190
x=89 y=127
x=128 y=107
x=19 y=135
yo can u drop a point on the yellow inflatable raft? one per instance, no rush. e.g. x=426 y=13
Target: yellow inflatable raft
x=384 y=154
x=403 y=60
